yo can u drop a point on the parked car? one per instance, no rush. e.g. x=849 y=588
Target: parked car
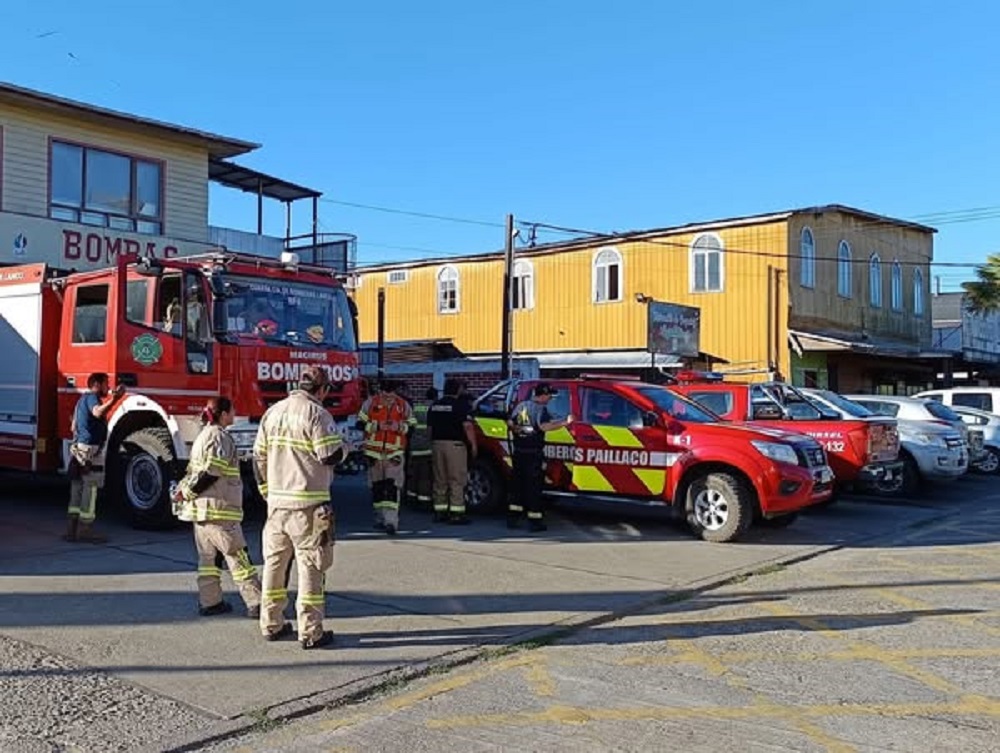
x=989 y=425
x=934 y=439
x=981 y=398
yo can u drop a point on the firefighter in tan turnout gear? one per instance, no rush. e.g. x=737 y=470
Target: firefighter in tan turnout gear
x=296 y=448
x=211 y=496
x=386 y=420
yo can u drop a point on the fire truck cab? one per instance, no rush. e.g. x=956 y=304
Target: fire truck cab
x=633 y=443
x=860 y=450
x=173 y=332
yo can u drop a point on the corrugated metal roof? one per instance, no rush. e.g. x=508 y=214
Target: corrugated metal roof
x=218 y=146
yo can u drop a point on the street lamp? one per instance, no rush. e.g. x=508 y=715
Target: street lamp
x=646 y=300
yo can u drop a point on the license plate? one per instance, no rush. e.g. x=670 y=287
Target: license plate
x=825 y=476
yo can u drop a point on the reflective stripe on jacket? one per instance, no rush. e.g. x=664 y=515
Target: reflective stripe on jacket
x=295 y=438
x=214 y=452
x=387 y=421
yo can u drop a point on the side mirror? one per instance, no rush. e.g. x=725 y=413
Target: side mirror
x=148 y=267
x=218 y=285
x=650 y=418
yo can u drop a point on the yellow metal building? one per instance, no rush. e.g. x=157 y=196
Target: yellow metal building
x=577 y=304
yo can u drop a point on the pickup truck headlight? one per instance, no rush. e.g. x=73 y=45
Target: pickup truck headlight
x=777 y=451
x=933 y=440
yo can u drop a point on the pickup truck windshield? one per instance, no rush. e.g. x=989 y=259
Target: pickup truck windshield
x=849 y=407
x=289 y=313
x=678 y=407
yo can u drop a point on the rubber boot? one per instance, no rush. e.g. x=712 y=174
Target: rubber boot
x=72 y=527
x=86 y=533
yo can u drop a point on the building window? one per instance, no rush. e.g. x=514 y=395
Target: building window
x=100 y=188
x=896 y=287
x=706 y=264
x=844 y=278
x=523 y=293
x=875 y=281
x=448 y=290
x=607 y=276
x=918 y=292
x=398 y=276
x=807 y=250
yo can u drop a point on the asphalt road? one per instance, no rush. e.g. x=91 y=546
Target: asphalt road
x=102 y=649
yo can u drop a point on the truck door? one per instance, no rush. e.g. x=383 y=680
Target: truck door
x=613 y=441
x=166 y=349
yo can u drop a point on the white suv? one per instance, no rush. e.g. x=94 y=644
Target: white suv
x=981 y=398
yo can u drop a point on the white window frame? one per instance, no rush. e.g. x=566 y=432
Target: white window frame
x=807 y=258
x=613 y=258
x=896 y=286
x=919 y=299
x=448 y=273
x=845 y=271
x=875 y=281
x=524 y=283
x=695 y=252
x=404 y=276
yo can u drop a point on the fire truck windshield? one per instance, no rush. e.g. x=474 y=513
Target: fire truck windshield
x=677 y=406
x=289 y=313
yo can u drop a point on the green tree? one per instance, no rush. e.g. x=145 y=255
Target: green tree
x=983 y=295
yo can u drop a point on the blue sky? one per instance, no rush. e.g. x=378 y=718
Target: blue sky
x=609 y=116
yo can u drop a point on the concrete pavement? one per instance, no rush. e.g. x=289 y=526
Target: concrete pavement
x=435 y=594
x=892 y=646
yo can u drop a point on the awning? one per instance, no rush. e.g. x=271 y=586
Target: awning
x=231 y=175
x=812 y=342
x=608 y=359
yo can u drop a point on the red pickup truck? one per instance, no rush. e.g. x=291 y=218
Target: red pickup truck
x=861 y=451
x=633 y=443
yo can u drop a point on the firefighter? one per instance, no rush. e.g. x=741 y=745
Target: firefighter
x=453 y=440
x=528 y=423
x=296 y=449
x=386 y=420
x=418 y=453
x=211 y=496
x=86 y=463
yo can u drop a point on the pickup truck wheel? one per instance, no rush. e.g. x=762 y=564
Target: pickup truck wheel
x=484 y=489
x=140 y=475
x=720 y=507
x=990 y=463
x=906 y=482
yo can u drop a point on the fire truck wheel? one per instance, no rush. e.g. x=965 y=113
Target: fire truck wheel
x=484 y=489
x=141 y=476
x=720 y=507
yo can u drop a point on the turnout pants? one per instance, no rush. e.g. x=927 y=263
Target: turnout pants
x=386 y=476
x=219 y=542
x=419 y=477
x=306 y=536
x=529 y=481
x=86 y=473
x=451 y=469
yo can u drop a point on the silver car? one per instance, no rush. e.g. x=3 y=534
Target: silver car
x=988 y=424
x=935 y=439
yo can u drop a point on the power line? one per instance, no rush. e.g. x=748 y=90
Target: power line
x=408 y=213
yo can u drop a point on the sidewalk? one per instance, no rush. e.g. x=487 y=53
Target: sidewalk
x=895 y=647
x=434 y=594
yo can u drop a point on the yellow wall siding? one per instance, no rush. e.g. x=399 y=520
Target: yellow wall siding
x=734 y=323
x=25 y=164
x=823 y=308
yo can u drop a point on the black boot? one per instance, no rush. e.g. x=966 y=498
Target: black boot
x=223 y=607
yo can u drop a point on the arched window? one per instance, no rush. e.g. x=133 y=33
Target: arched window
x=918 y=292
x=523 y=293
x=707 y=273
x=896 y=286
x=807 y=252
x=844 y=278
x=607 y=275
x=875 y=281
x=447 y=290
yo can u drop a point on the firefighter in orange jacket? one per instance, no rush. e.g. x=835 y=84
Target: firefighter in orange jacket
x=386 y=420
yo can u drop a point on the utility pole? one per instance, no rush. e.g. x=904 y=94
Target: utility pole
x=508 y=279
x=381 y=333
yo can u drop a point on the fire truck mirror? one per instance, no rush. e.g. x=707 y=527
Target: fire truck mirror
x=148 y=268
x=650 y=418
x=218 y=285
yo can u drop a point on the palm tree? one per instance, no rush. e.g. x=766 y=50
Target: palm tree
x=983 y=295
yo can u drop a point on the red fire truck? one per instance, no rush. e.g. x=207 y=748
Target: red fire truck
x=860 y=450
x=172 y=332
x=633 y=443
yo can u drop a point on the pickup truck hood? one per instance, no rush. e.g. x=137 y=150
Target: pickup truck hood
x=751 y=432
x=909 y=428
